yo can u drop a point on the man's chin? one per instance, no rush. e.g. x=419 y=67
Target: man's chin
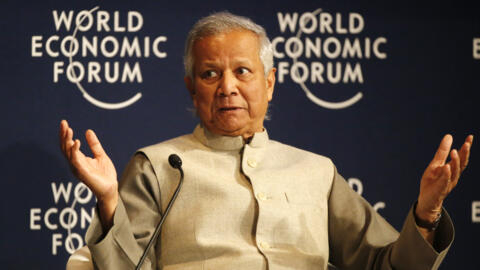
x=229 y=129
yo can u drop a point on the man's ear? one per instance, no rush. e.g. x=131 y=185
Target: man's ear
x=270 y=83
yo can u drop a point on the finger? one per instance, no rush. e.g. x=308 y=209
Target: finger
x=77 y=155
x=61 y=133
x=69 y=135
x=455 y=166
x=465 y=152
x=69 y=143
x=469 y=139
x=94 y=143
x=443 y=150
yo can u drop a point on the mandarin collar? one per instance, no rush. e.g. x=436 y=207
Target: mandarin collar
x=228 y=143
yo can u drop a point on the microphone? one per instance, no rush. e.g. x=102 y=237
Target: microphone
x=176 y=162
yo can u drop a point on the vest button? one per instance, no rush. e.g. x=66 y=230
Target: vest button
x=262 y=196
x=252 y=163
x=264 y=245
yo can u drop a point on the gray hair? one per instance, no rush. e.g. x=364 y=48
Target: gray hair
x=222 y=22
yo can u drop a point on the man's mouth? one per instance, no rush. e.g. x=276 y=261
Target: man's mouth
x=226 y=109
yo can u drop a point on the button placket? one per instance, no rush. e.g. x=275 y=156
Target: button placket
x=250 y=164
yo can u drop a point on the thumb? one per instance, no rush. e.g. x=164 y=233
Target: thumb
x=94 y=143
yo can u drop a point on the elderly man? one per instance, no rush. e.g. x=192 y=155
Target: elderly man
x=249 y=202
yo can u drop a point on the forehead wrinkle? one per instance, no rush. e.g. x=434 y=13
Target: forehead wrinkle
x=209 y=63
x=242 y=61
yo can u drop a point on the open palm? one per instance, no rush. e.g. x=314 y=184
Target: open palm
x=97 y=172
x=441 y=177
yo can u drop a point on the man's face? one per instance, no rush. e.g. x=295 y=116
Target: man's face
x=229 y=89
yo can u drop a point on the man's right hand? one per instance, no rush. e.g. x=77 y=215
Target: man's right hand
x=98 y=173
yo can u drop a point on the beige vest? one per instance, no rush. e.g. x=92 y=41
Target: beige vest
x=242 y=206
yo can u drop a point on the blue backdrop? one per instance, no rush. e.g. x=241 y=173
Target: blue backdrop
x=372 y=86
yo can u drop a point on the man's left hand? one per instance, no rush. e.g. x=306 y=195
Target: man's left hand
x=441 y=177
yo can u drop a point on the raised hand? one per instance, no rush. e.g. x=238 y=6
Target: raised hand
x=97 y=172
x=441 y=177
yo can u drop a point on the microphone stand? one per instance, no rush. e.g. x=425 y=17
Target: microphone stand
x=176 y=163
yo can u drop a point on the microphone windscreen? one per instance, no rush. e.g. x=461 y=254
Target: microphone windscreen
x=175 y=161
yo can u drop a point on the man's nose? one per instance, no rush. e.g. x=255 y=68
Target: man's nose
x=228 y=85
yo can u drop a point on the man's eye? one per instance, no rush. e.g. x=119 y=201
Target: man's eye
x=209 y=74
x=243 y=70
